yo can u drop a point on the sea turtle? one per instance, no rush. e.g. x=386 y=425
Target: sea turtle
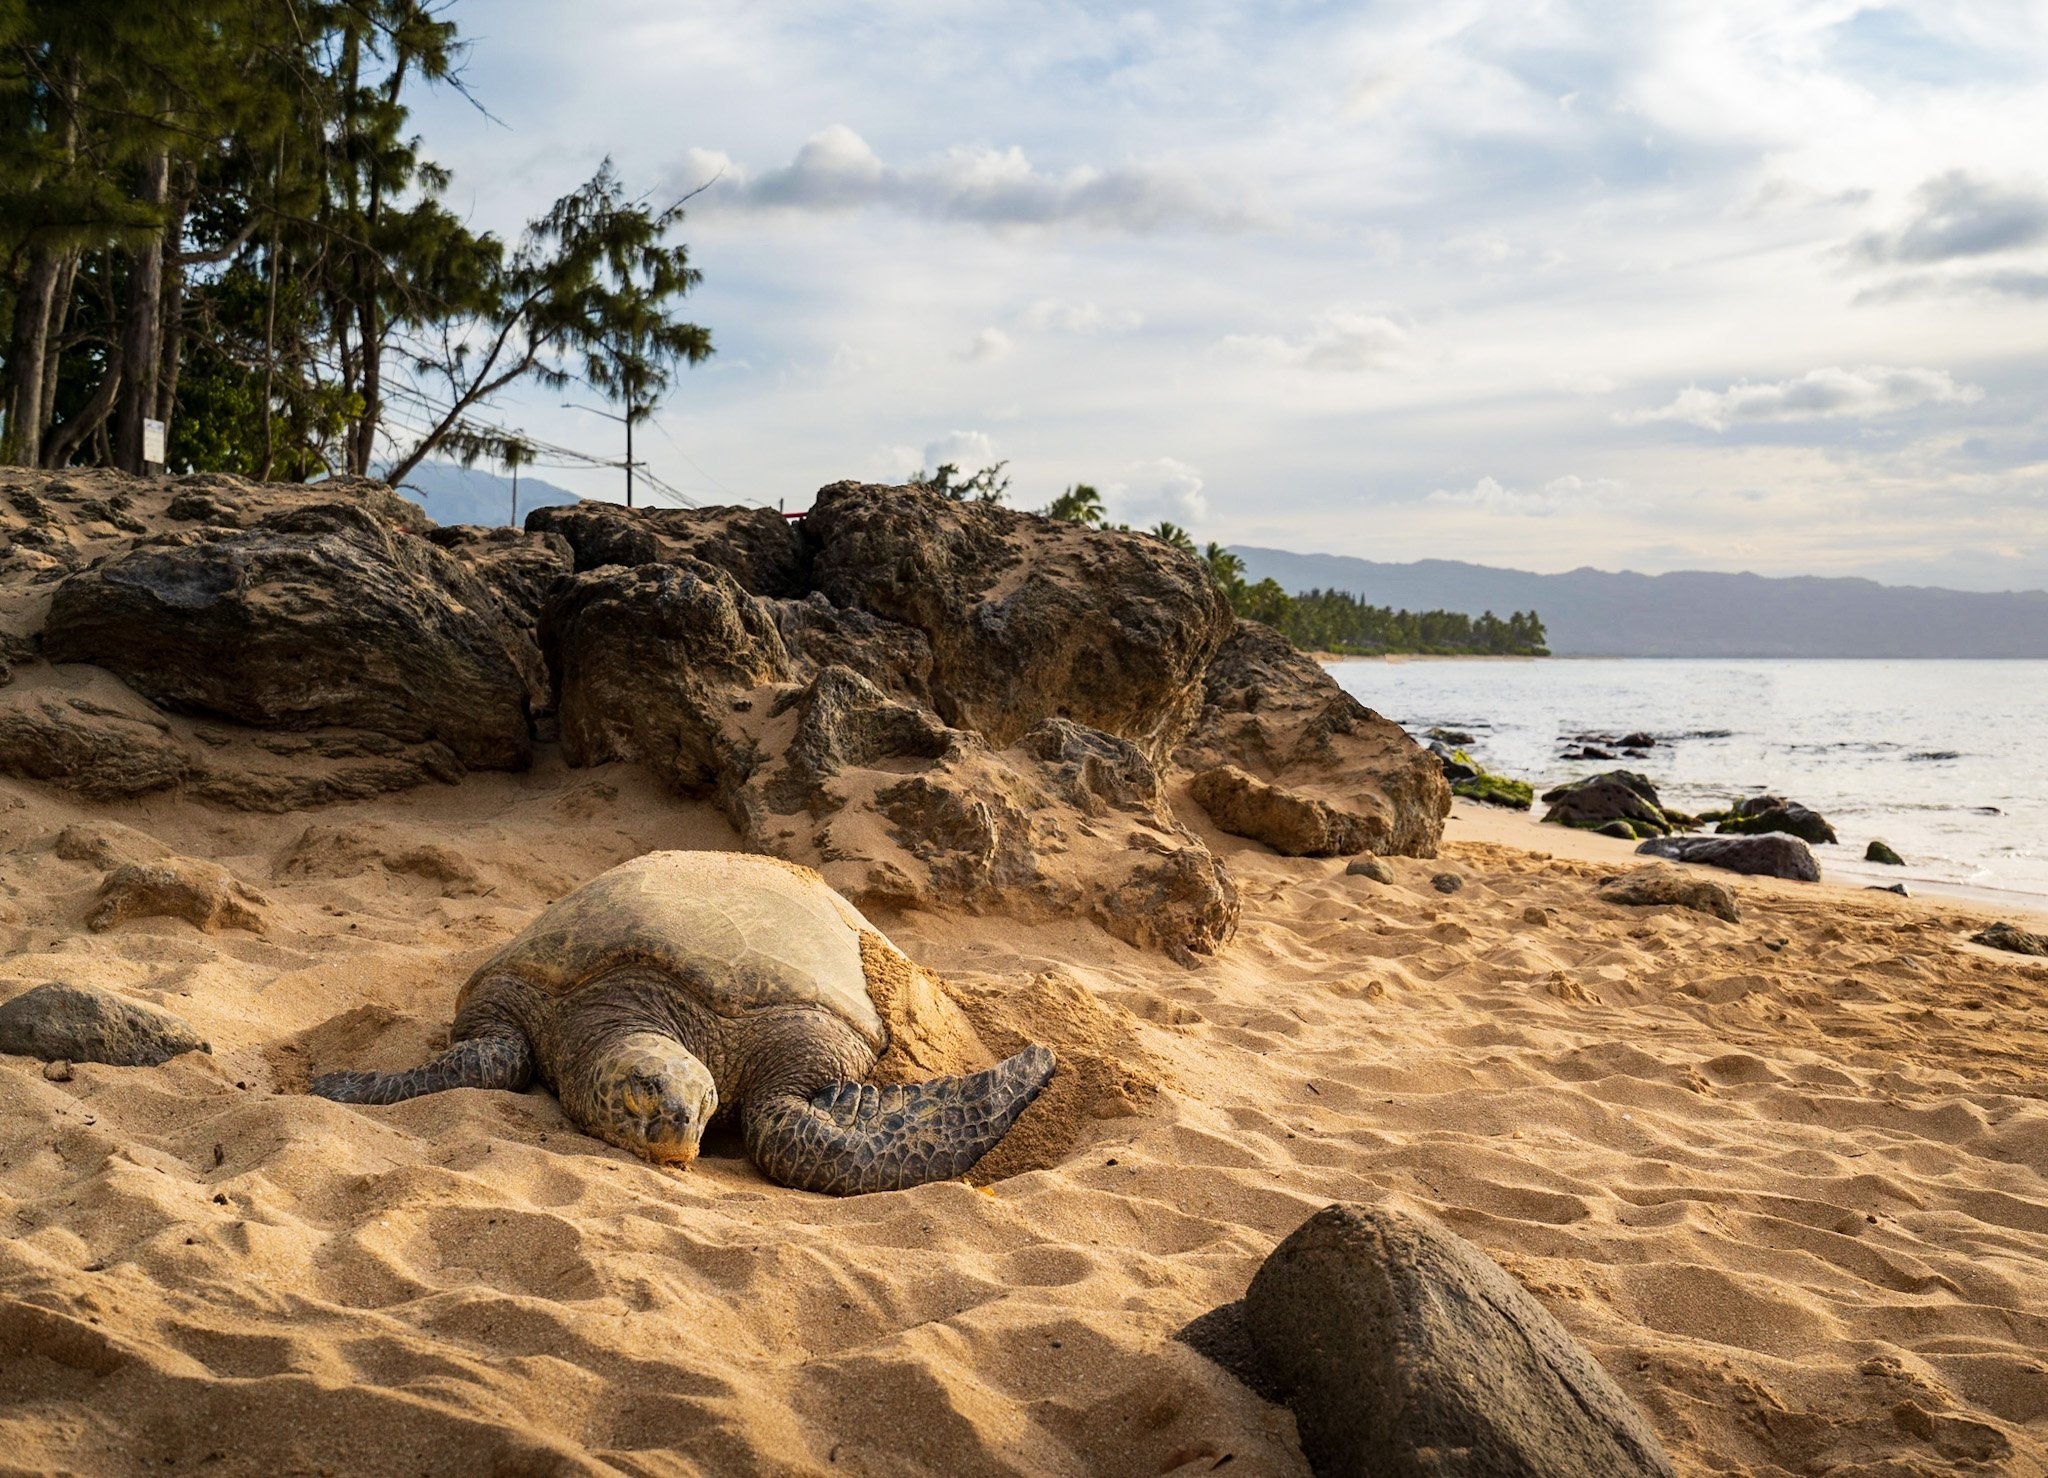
x=683 y=981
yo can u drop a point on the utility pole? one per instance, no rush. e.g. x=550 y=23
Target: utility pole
x=633 y=413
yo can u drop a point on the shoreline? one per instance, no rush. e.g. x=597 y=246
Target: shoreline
x=1471 y=821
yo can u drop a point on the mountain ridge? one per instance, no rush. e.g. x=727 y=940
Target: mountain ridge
x=1589 y=612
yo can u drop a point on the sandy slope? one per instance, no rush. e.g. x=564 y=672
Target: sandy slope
x=1787 y=1178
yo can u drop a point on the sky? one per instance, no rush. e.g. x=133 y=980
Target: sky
x=1757 y=286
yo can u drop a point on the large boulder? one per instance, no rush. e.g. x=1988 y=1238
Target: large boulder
x=756 y=546
x=1406 y=1352
x=651 y=660
x=1292 y=825
x=895 y=808
x=1275 y=714
x=1773 y=856
x=315 y=617
x=1027 y=618
x=1614 y=795
x=1766 y=813
x=204 y=894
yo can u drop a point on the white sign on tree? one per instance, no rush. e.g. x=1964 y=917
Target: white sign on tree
x=153 y=443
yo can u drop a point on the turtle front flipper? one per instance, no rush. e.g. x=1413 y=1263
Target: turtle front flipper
x=495 y=1060
x=853 y=1137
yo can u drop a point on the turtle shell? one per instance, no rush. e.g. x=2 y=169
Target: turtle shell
x=741 y=931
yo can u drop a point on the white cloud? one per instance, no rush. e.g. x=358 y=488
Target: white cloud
x=1818 y=395
x=990 y=343
x=1341 y=340
x=837 y=170
x=1556 y=496
x=1162 y=488
x=970 y=451
x=1055 y=315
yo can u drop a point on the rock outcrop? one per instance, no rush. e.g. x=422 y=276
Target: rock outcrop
x=1660 y=883
x=756 y=546
x=894 y=807
x=650 y=661
x=1406 y=1352
x=1772 y=856
x=1292 y=825
x=1274 y=713
x=318 y=617
x=937 y=703
x=76 y=1023
x=1027 y=618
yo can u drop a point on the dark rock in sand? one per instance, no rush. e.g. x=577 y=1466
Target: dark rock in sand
x=1406 y=1352
x=2012 y=937
x=1624 y=830
x=324 y=615
x=1027 y=618
x=1772 y=856
x=1660 y=883
x=73 y=1023
x=1767 y=813
x=1278 y=715
x=1898 y=888
x=1880 y=851
x=1447 y=882
x=1292 y=825
x=1370 y=867
x=1613 y=795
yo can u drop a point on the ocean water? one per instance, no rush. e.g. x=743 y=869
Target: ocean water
x=1947 y=761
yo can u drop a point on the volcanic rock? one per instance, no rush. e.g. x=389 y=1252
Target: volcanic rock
x=1406 y=1352
x=1613 y=795
x=75 y=1023
x=1292 y=825
x=895 y=808
x=1767 y=813
x=1772 y=856
x=1372 y=867
x=1275 y=714
x=1660 y=883
x=313 y=617
x=756 y=546
x=1027 y=618
x=203 y=894
x=2012 y=937
x=1881 y=851
x=651 y=659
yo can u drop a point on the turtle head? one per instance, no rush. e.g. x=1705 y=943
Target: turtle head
x=653 y=1097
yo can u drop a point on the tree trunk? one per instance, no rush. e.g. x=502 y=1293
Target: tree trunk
x=26 y=359
x=53 y=356
x=91 y=420
x=173 y=319
x=142 y=333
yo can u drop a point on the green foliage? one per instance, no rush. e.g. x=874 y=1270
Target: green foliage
x=217 y=214
x=1337 y=621
x=986 y=486
x=1494 y=790
x=1080 y=504
x=1177 y=536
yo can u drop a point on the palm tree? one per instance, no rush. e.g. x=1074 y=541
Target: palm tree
x=1175 y=535
x=1078 y=504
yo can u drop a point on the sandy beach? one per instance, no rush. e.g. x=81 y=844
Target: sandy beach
x=1785 y=1177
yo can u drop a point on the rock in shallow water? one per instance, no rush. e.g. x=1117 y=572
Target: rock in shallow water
x=1406 y=1352
x=1880 y=851
x=1772 y=856
x=1598 y=801
x=1768 y=813
x=75 y=1023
